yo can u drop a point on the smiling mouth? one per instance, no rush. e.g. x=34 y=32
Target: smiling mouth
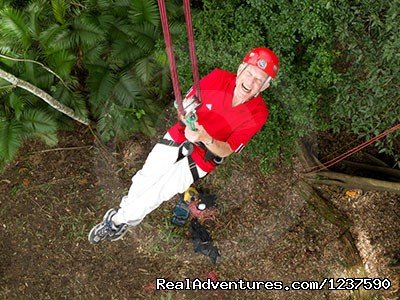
x=245 y=89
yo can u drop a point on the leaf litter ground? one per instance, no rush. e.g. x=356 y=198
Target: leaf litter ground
x=264 y=230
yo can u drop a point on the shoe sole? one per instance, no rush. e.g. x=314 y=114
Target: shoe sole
x=91 y=234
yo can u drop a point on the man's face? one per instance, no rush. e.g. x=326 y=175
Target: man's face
x=249 y=82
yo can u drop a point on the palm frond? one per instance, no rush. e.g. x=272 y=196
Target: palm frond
x=85 y=33
x=59 y=9
x=7 y=48
x=105 y=21
x=145 y=69
x=9 y=58
x=121 y=8
x=93 y=54
x=61 y=61
x=50 y=138
x=13 y=26
x=123 y=3
x=177 y=28
x=120 y=42
x=37 y=123
x=55 y=37
x=17 y=104
x=105 y=123
x=121 y=29
x=144 y=11
x=37 y=75
x=145 y=36
x=162 y=76
x=71 y=99
x=147 y=126
x=174 y=9
x=38 y=15
x=78 y=103
x=119 y=54
x=126 y=90
x=101 y=83
x=5 y=88
x=10 y=138
x=102 y=5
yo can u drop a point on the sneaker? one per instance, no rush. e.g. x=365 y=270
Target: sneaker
x=107 y=230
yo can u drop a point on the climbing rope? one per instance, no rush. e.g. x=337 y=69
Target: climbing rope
x=339 y=158
x=170 y=52
x=192 y=48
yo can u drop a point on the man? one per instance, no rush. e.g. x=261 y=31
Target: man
x=231 y=113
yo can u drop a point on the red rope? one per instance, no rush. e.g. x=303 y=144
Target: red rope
x=170 y=54
x=353 y=150
x=192 y=48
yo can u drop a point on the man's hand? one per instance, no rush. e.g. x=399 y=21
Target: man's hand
x=220 y=148
x=200 y=135
x=181 y=117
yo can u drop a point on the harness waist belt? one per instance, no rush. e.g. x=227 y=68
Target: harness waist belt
x=169 y=143
x=208 y=156
x=192 y=164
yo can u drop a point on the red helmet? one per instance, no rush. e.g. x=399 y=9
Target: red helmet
x=264 y=59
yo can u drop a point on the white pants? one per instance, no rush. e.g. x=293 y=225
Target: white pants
x=160 y=178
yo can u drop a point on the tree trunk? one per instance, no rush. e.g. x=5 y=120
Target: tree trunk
x=43 y=95
x=350 y=181
x=324 y=207
x=328 y=211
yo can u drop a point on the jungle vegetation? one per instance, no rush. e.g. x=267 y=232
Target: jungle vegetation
x=339 y=67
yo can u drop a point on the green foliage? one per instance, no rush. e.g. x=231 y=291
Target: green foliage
x=24 y=116
x=14 y=29
x=339 y=65
x=11 y=138
x=107 y=55
x=21 y=118
x=40 y=124
x=144 y=12
x=127 y=73
x=367 y=98
x=59 y=10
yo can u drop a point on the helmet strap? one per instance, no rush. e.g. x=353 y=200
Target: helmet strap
x=266 y=81
x=244 y=67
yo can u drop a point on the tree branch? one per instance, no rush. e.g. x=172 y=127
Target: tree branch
x=35 y=62
x=43 y=95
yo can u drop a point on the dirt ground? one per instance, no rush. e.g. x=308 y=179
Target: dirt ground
x=264 y=230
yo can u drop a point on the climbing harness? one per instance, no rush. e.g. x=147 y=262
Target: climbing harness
x=187 y=107
x=185 y=150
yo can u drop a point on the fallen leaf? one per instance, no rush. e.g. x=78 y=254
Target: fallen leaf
x=25 y=182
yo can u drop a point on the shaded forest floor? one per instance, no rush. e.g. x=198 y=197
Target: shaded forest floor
x=264 y=230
